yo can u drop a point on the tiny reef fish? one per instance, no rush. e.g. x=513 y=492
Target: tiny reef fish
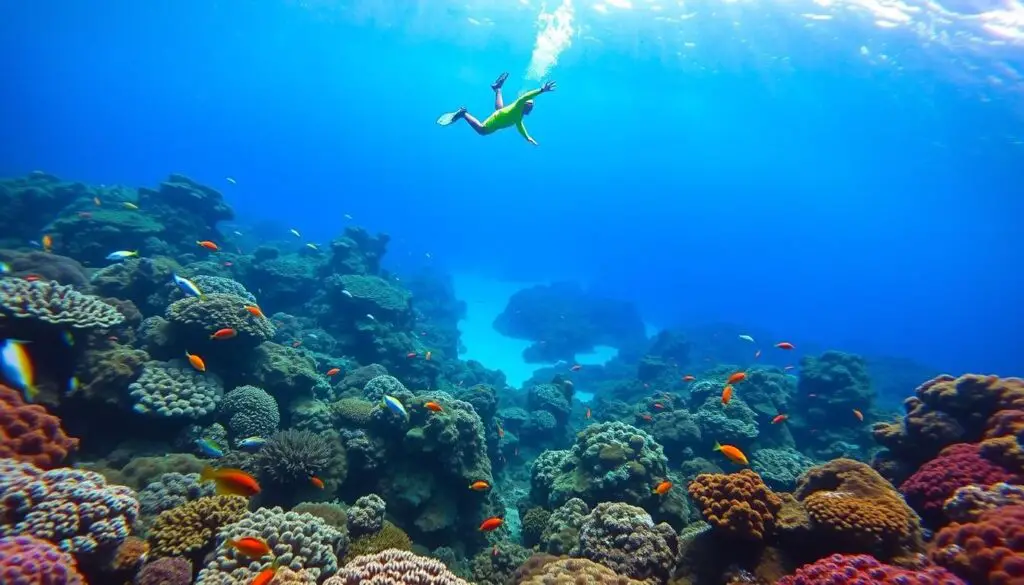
x=587 y=414
x=313 y=247
x=663 y=487
x=17 y=368
x=784 y=345
x=265 y=576
x=427 y=355
x=491 y=524
x=122 y=255
x=333 y=372
x=317 y=482
x=779 y=418
x=433 y=406
x=575 y=368
x=411 y=354
x=295 y=233
x=858 y=414
x=231 y=481
x=208 y=245
x=479 y=486
x=130 y=205
x=688 y=378
x=252 y=444
x=255 y=311
x=225 y=333
x=659 y=406
x=47 y=242
x=727 y=394
x=254 y=548
x=747 y=338
x=394 y=405
x=732 y=453
x=209 y=448
x=736 y=378
x=96 y=201
x=196 y=362
x=757 y=354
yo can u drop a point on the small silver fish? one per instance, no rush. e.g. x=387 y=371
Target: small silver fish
x=747 y=338
x=252 y=444
x=347 y=293
x=371 y=317
x=295 y=233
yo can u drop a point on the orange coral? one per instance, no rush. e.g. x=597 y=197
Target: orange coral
x=28 y=433
x=129 y=554
x=738 y=504
x=851 y=505
x=987 y=552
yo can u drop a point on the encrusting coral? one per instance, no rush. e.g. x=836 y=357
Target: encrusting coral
x=988 y=551
x=625 y=539
x=737 y=504
x=28 y=433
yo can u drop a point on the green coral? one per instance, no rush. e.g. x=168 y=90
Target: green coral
x=379 y=294
x=198 y=318
x=331 y=512
x=535 y=520
x=389 y=536
x=353 y=412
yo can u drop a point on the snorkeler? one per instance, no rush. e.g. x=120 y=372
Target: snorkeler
x=503 y=116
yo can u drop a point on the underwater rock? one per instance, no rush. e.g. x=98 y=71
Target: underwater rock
x=30 y=201
x=357 y=252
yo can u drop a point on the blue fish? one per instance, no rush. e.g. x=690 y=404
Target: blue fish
x=394 y=405
x=252 y=444
x=16 y=367
x=188 y=287
x=209 y=448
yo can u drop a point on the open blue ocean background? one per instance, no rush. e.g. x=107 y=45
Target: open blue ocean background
x=843 y=174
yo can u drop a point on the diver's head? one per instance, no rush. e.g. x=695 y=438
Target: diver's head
x=528 y=107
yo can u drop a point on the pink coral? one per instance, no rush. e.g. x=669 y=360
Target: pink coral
x=28 y=433
x=955 y=467
x=987 y=552
x=855 y=569
x=27 y=560
x=394 y=567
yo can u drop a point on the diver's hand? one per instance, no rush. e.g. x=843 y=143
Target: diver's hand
x=549 y=86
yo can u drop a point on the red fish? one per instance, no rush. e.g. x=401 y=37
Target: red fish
x=317 y=482
x=32 y=277
x=231 y=481
x=297 y=343
x=411 y=354
x=727 y=394
x=196 y=362
x=587 y=415
x=736 y=378
x=658 y=406
x=255 y=311
x=333 y=371
x=433 y=406
x=784 y=345
x=479 y=486
x=226 y=333
x=858 y=414
x=779 y=418
x=265 y=576
x=492 y=523
x=208 y=245
x=251 y=547
x=688 y=378
x=647 y=417
x=663 y=487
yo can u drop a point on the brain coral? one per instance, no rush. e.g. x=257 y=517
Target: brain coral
x=988 y=551
x=852 y=508
x=251 y=412
x=198 y=318
x=863 y=569
x=968 y=503
x=187 y=530
x=55 y=303
x=395 y=567
x=74 y=509
x=26 y=560
x=626 y=540
x=174 y=389
x=576 y=572
x=956 y=466
x=28 y=433
x=737 y=504
x=298 y=541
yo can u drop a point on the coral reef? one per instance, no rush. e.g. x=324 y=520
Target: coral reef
x=739 y=504
x=291 y=457
x=175 y=390
x=563 y=527
x=394 y=567
x=780 y=468
x=332 y=513
x=194 y=319
x=56 y=304
x=27 y=560
x=388 y=537
x=188 y=530
x=857 y=569
x=250 y=412
x=988 y=551
x=171 y=490
x=626 y=540
x=165 y=571
x=28 y=433
x=575 y=572
x=968 y=503
x=366 y=515
x=74 y=509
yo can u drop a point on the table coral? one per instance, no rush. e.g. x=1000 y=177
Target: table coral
x=853 y=509
x=968 y=503
x=626 y=540
x=175 y=390
x=28 y=433
x=74 y=509
x=736 y=504
x=989 y=551
x=56 y=304
x=298 y=541
x=955 y=466
x=395 y=567
x=187 y=530
x=862 y=569
x=27 y=560
x=251 y=412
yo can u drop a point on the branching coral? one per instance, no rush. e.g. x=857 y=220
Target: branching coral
x=738 y=504
x=28 y=433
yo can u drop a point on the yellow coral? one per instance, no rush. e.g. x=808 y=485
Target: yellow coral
x=191 y=527
x=738 y=504
x=577 y=572
x=389 y=536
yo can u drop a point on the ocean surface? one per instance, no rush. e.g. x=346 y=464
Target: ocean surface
x=845 y=174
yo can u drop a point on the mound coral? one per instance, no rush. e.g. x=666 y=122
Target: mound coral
x=388 y=537
x=352 y=412
x=251 y=412
x=989 y=551
x=495 y=566
x=56 y=304
x=733 y=423
x=28 y=433
x=46 y=264
x=563 y=527
x=196 y=319
x=394 y=567
x=298 y=541
x=174 y=389
x=535 y=520
x=378 y=386
x=366 y=515
x=165 y=571
x=780 y=468
x=626 y=540
x=189 y=529
x=968 y=503
x=27 y=560
x=955 y=466
x=74 y=509
x=860 y=569
x=221 y=286
x=851 y=508
x=171 y=490
x=376 y=295
x=332 y=513
x=576 y=572
x=738 y=504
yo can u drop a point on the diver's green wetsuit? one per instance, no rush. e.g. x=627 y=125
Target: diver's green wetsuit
x=511 y=114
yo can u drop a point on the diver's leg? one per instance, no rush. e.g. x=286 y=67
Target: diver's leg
x=496 y=86
x=473 y=122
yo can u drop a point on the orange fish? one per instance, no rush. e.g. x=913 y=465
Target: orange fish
x=779 y=418
x=411 y=354
x=226 y=333
x=575 y=368
x=255 y=311
x=663 y=487
x=658 y=406
x=333 y=371
x=501 y=431
x=297 y=343
x=732 y=453
x=196 y=362
x=688 y=378
x=479 y=486
x=433 y=406
x=208 y=245
x=427 y=355
x=47 y=242
x=265 y=576
x=587 y=415
x=757 y=354
x=253 y=548
x=492 y=523
x=727 y=394
x=230 y=481
x=858 y=414
x=32 y=277
x=317 y=482
x=784 y=345
x=97 y=201
x=737 y=377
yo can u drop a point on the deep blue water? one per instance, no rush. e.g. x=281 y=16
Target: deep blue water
x=769 y=175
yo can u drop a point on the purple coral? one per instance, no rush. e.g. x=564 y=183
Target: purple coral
x=165 y=571
x=27 y=560
x=625 y=539
x=395 y=567
x=854 y=569
x=72 y=508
